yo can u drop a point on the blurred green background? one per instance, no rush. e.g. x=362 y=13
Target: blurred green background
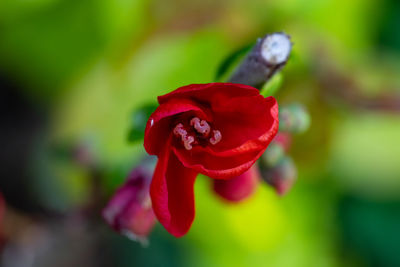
x=72 y=72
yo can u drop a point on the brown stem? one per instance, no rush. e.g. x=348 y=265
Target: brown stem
x=344 y=88
x=268 y=56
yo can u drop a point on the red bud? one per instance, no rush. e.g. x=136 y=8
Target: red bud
x=129 y=211
x=281 y=176
x=238 y=188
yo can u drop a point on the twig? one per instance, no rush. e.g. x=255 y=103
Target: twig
x=339 y=86
x=268 y=56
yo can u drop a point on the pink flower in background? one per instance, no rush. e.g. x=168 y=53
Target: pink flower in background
x=129 y=211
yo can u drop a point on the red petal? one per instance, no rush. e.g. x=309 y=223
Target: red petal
x=172 y=193
x=215 y=166
x=159 y=125
x=246 y=123
x=203 y=92
x=239 y=187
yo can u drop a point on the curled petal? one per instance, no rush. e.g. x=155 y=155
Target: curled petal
x=215 y=166
x=246 y=123
x=202 y=92
x=172 y=193
x=239 y=187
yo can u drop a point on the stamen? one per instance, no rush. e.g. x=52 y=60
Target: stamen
x=179 y=130
x=187 y=140
x=201 y=126
x=216 y=137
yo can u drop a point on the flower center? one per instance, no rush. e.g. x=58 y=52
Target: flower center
x=197 y=132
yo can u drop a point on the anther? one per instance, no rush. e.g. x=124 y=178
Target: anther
x=187 y=140
x=179 y=130
x=201 y=126
x=216 y=137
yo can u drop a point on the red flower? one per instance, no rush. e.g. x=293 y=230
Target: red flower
x=217 y=129
x=239 y=187
x=129 y=211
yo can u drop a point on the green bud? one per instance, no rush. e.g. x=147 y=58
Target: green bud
x=274 y=153
x=281 y=176
x=294 y=118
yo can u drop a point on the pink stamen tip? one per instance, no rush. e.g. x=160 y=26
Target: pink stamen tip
x=181 y=132
x=201 y=126
x=187 y=142
x=216 y=137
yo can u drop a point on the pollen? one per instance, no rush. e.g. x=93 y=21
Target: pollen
x=216 y=137
x=201 y=126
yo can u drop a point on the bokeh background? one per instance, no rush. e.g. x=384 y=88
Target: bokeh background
x=73 y=71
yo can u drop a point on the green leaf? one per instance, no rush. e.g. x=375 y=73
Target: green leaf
x=231 y=60
x=139 y=120
x=272 y=86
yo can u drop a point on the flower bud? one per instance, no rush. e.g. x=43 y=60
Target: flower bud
x=294 y=118
x=276 y=150
x=272 y=155
x=129 y=211
x=284 y=140
x=281 y=176
x=239 y=187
